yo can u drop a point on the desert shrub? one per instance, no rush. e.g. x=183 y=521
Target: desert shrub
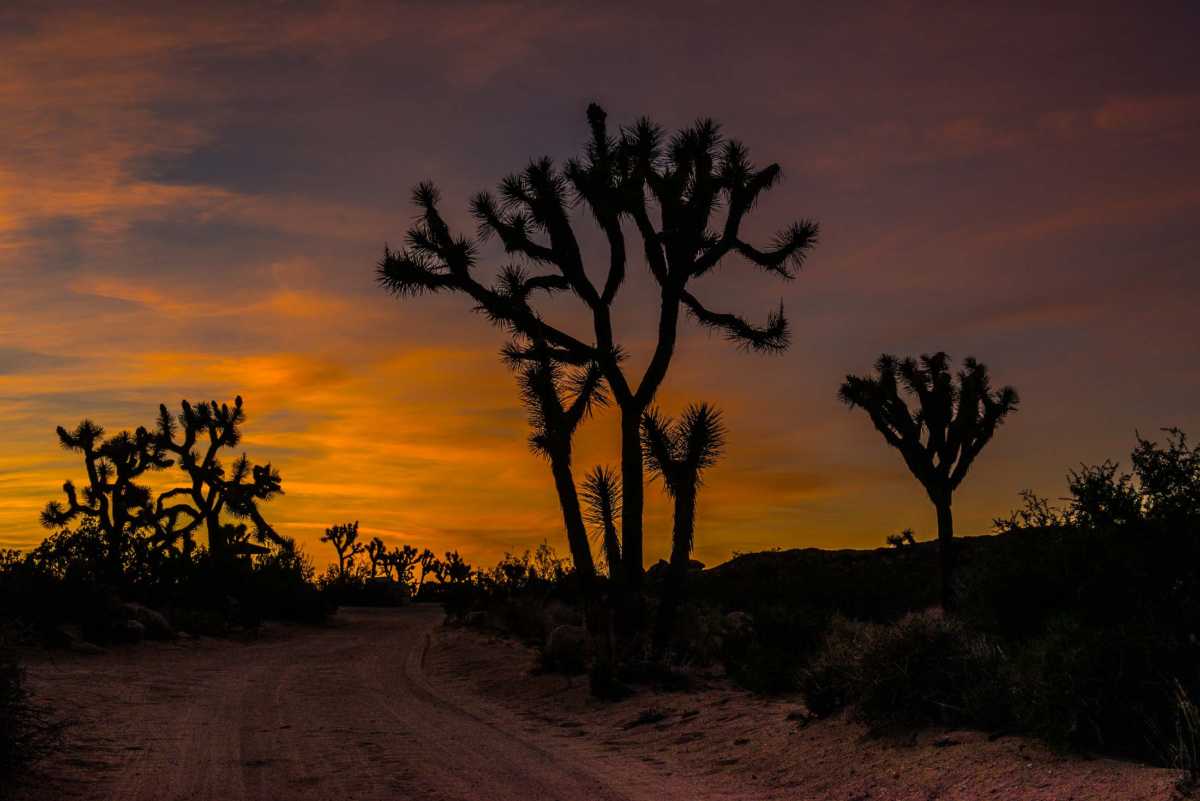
x=925 y=668
x=783 y=638
x=1113 y=689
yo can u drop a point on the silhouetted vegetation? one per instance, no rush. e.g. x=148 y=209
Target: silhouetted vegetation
x=1076 y=624
x=941 y=440
x=679 y=453
x=132 y=565
x=558 y=398
x=626 y=178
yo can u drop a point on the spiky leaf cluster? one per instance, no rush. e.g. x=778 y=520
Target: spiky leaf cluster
x=954 y=418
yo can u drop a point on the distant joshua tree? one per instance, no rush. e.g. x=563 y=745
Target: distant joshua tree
x=902 y=539
x=956 y=417
x=377 y=554
x=205 y=429
x=454 y=570
x=400 y=562
x=430 y=566
x=680 y=452
x=344 y=539
x=119 y=506
x=558 y=398
x=699 y=186
x=123 y=509
x=602 y=496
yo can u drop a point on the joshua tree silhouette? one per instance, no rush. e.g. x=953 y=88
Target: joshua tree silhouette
x=680 y=452
x=430 y=566
x=602 y=498
x=623 y=178
x=112 y=498
x=207 y=428
x=377 y=555
x=400 y=561
x=941 y=440
x=344 y=539
x=558 y=398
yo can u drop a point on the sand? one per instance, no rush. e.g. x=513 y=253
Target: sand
x=388 y=704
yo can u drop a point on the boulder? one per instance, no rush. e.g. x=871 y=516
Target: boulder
x=566 y=649
x=129 y=631
x=156 y=625
x=737 y=626
x=64 y=636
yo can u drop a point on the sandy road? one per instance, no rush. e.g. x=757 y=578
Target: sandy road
x=345 y=713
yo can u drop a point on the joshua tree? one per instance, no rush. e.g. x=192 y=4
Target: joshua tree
x=430 y=566
x=453 y=569
x=680 y=452
x=558 y=398
x=344 y=539
x=902 y=539
x=119 y=506
x=635 y=177
x=602 y=496
x=940 y=442
x=377 y=554
x=207 y=428
x=401 y=561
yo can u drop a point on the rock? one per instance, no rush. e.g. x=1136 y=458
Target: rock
x=556 y=613
x=657 y=571
x=129 y=631
x=737 y=626
x=64 y=636
x=84 y=647
x=155 y=623
x=475 y=619
x=566 y=649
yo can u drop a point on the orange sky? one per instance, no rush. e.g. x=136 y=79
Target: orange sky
x=191 y=205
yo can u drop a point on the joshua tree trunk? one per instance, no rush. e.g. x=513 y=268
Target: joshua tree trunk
x=676 y=579
x=632 y=497
x=577 y=537
x=945 y=521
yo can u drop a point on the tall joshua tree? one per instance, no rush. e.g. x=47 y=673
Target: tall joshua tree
x=679 y=452
x=954 y=419
x=204 y=430
x=686 y=198
x=558 y=398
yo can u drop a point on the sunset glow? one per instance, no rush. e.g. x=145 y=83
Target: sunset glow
x=191 y=208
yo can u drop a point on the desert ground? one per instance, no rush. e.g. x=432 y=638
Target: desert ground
x=390 y=704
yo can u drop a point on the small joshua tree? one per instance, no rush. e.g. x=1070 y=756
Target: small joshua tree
x=602 y=497
x=400 y=562
x=680 y=452
x=377 y=554
x=956 y=417
x=454 y=569
x=430 y=566
x=344 y=539
x=558 y=398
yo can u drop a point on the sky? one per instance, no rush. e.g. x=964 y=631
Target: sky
x=193 y=202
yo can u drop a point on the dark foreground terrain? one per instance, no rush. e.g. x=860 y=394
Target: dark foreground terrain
x=388 y=704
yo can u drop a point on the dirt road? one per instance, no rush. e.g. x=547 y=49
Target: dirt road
x=346 y=713
x=387 y=704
